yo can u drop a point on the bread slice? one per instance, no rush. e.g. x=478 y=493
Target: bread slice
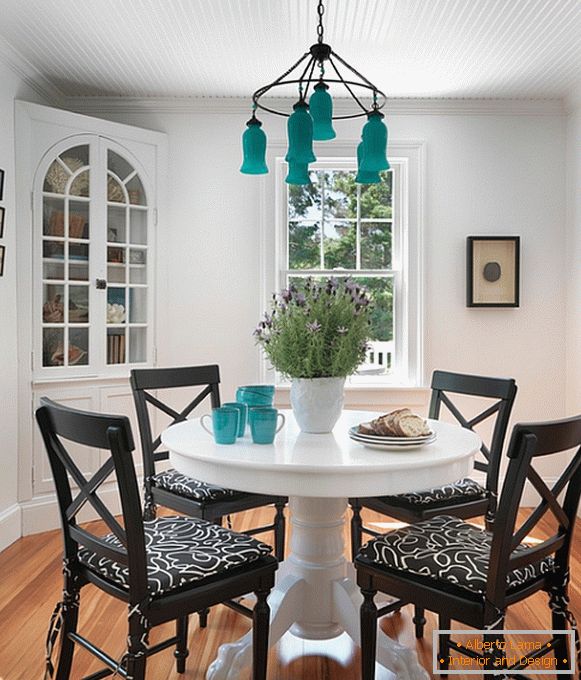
x=411 y=425
x=366 y=428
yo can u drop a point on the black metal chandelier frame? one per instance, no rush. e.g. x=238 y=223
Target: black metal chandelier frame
x=321 y=53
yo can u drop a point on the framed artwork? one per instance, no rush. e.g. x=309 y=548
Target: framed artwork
x=493 y=271
x=1 y=185
x=2 y=253
x=2 y=215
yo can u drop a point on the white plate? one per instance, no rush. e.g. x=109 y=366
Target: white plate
x=392 y=446
x=376 y=438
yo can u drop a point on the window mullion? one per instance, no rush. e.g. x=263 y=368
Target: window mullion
x=321 y=176
x=358 y=230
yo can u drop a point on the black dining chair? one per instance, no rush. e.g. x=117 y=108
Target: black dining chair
x=164 y=569
x=471 y=575
x=179 y=492
x=464 y=498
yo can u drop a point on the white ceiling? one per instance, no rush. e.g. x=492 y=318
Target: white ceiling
x=204 y=48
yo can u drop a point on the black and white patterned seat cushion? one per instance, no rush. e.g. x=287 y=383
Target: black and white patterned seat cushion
x=462 y=491
x=448 y=550
x=182 y=485
x=181 y=550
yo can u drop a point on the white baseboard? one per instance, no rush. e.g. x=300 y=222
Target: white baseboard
x=10 y=526
x=42 y=513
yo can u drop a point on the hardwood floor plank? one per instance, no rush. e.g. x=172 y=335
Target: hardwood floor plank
x=31 y=583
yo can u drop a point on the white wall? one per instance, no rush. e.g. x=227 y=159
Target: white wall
x=11 y=87
x=485 y=174
x=573 y=381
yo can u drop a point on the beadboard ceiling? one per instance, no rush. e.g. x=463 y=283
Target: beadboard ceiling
x=227 y=48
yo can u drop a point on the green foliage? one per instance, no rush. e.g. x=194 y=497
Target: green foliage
x=317 y=332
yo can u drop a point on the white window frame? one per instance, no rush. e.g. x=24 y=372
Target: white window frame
x=407 y=160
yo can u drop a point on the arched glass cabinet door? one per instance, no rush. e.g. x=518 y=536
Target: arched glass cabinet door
x=66 y=249
x=94 y=301
x=127 y=263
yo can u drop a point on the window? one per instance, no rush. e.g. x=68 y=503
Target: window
x=336 y=227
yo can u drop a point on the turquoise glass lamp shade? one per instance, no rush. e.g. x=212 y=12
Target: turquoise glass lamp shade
x=321 y=108
x=374 y=138
x=254 y=149
x=298 y=173
x=365 y=177
x=300 y=135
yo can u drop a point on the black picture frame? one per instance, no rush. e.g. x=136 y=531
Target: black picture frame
x=1 y=185
x=2 y=258
x=493 y=271
x=2 y=218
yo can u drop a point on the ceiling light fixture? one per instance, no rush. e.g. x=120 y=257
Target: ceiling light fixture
x=312 y=119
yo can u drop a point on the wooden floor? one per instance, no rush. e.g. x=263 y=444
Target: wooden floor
x=29 y=588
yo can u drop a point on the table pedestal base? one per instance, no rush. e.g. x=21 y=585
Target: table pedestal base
x=315 y=596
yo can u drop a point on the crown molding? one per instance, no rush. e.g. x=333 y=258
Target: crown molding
x=240 y=105
x=30 y=75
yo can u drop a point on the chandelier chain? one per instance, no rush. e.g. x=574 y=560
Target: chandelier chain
x=320 y=12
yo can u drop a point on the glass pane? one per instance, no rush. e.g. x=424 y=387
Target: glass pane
x=375 y=245
x=381 y=292
x=78 y=219
x=116 y=346
x=137 y=305
x=138 y=219
x=79 y=252
x=135 y=191
x=80 y=185
x=78 y=271
x=52 y=347
x=340 y=194
x=78 y=347
x=53 y=310
x=77 y=157
x=116 y=306
x=53 y=216
x=304 y=245
x=137 y=345
x=376 y=199
x=118 y=165
x=116 y=255
x=115 y=192
x=56 y=178
x=53 y=250
x=138 y=256
x=340 y=244
x=116 y=273
x=304 y=201
x=53 y=270
x=78 y=304
x=116 y=224
x=138 y=274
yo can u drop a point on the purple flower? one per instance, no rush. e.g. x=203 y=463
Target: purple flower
x=314 y=327
x=286 y=295
x=300 y=300
x=342 y=330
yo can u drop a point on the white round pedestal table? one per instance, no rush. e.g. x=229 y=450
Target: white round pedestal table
x=316 y=596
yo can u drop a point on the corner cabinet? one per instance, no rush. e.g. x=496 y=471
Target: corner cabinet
x=90 y=213
x=94 y=234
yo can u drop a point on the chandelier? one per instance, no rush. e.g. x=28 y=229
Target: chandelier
x=312 y=118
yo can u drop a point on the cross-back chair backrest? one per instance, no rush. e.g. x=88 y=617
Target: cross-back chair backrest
x=528 y=442
x=147 y=380
x=503 y=392
x=60 y=426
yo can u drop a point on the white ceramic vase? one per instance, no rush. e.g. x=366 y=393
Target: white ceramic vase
x=317 y=403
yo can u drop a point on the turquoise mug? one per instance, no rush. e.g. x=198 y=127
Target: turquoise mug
x=255 y=395
x=264 y=424
x=224 y=424
x=243 y=410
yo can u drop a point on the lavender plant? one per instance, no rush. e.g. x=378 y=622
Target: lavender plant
x=319 y=331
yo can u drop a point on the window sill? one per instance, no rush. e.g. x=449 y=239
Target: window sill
x=371 y=396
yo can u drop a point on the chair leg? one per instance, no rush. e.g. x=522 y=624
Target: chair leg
x=279 y=531
x=496 y=654
x=137 y=643
x=368 y=614
x=356 y=526
x=70 y=615
x=419 y=621
x=558 y=601
x=181 y=651
x=203 y=615
x=444 y=623
x=260 y=632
